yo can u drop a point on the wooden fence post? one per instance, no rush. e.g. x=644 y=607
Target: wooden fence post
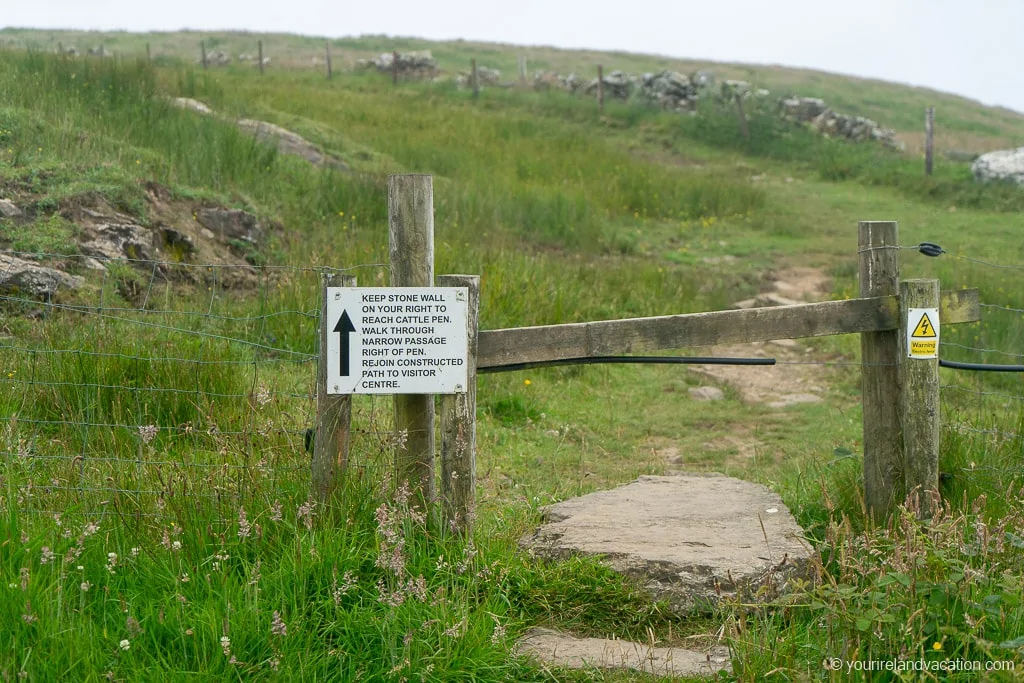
x=522 y=69
x=394 y=67
x=600 y=88
x=259 y=47
x=458 y=424
x=744 y=128
x=929 y=139
x=411 y=231
x=919 y=401
x=333 y=411
x=475 y=75
x=149 y=53
x=878 y=251
x=327 y=49
x=202 y=52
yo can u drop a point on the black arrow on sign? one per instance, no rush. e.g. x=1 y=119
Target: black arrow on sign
x=343 y=328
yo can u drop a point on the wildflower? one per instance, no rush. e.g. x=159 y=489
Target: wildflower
x=125 y=645
x=24 y=578
x=85 y=586
x=147 y=433
x=111 y=562
x=225 y=645
x=275 y=511
x=937 y=646
x=244 y=528
x=133 y=626
x=277 y=625
x=527 y=382
x=262 y=395
x=28 y=617
x=135 y=552
x=305 y=513
x=45 y=555
x=498 y=634
x=176 y=546
x=90 y=529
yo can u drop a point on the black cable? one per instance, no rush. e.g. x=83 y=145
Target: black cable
x=980 y=367
x=657 y=360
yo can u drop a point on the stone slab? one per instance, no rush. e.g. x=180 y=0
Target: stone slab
x=691 y=540
x=564 y=650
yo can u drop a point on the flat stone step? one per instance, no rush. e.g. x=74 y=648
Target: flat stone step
x=691 y=540
x=564 y=650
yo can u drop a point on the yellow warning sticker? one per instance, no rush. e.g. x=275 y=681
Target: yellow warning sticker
x=923 y=333
x=924 y=328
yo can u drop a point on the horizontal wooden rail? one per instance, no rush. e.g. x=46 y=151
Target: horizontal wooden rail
x=635 y=335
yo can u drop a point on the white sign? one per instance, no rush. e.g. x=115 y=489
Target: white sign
x=923 y=333
x=396 y=340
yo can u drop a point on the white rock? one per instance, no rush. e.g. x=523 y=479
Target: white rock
x=706 y=394
x=1003 y=164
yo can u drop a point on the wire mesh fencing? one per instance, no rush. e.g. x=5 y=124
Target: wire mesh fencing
x=149 y=387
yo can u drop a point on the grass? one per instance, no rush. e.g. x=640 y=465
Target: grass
x=568 y=216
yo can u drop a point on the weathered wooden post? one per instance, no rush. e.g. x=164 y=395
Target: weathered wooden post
x=149 y=53
x=327 y=50
x=475 y=75
x=919 y=397
x=60 y=48
x=259 y=47
x=929 y=139
x=411 y=231
x=458 y=423
x=879 y=275
x=744 y=128
x=333 y=411
x=522 y=69
x=394 y=67
x=202 y=53
x=600 y=88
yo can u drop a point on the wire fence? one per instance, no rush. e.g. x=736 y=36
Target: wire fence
x=150 y=386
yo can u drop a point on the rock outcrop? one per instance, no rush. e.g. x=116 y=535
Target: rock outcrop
x=816 y=114
x=417 y=64
x=286 y=141
x=618 y=85
x=25 y=278
x=670 y=90
x=1001 y=165
x=9 y=209
x=689 y=540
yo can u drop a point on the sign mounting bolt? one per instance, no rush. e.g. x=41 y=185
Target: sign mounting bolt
x=337 y=296
x=460 y=296
x=337 y=388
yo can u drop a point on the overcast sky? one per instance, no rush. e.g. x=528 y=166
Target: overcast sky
x=970 y=47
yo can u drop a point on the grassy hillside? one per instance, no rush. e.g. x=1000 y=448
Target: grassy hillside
x=963 y=124
x=568 y=215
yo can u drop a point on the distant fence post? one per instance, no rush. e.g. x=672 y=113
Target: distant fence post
x=333 y=411
x=919 y=399
x=475 y=75
x=259 y=47
x=929 y=139
x=202 y=52
x=744 y=128
x=600 y=88
x=522 y=69
x=878 y=251
x=327 y=50
x=394 y=67
x=458 y=424
x=149 y=53
x=411 y=232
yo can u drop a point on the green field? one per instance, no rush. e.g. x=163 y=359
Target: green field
x=222 y=568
